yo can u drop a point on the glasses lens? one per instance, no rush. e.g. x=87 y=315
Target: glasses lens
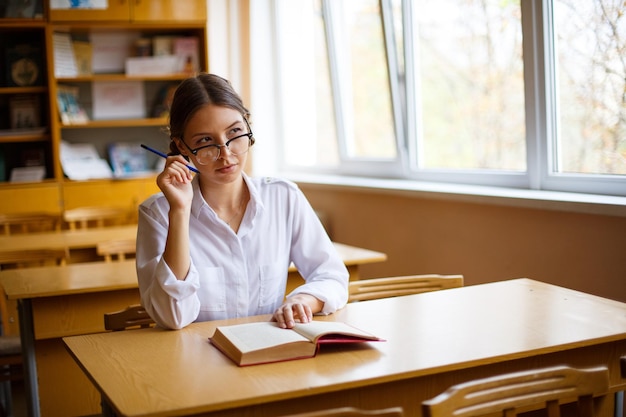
x=206 y=155
x=239 y=145
x=236 y=146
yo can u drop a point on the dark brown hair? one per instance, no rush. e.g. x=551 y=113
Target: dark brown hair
x=196 y=92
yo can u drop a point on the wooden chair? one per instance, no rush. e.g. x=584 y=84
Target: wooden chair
x=32 y=257
x=84 y=217
x=619 y=396
x=352 y=412
x=10 y=368
x=370 y=289
x=510 y=394
x=29 y=223
x=121 y=248
x=10 y=359
x=132 y=316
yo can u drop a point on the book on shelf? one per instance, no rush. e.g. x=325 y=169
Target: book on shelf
x=70 y=110
x=163 y=45
x=186 y=48
x=83 y=54
x=118 y=100
x=128 y=159
x=265 y=342
x=110 y=50
x=20 y=9
x=28 y=174
x=25 y=112
x=76 y=4
x=152 y=65
x=64 y=58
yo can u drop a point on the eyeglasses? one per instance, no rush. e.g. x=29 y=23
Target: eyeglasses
x=238 y=145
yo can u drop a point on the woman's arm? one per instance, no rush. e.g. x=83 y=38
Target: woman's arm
x=326 y=277
x=167 y=280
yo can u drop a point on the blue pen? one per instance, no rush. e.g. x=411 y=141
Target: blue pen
x=165 y=156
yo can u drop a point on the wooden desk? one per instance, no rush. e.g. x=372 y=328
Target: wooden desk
x=60 y=301
x=433 y=341
x=353 y=258
x=66 y=239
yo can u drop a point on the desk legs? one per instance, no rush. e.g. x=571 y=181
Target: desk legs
x=107 y=410
x=27 y=336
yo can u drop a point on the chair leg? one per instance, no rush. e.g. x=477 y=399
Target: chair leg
x=7 y=400
x=619 y=404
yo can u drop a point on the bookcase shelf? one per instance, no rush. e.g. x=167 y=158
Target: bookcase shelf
x=122 y=77
x=103 y=124
x=10 y=136
x=24 y=90
x=144 y=19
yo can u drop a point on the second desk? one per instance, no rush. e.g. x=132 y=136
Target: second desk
x=70 y=300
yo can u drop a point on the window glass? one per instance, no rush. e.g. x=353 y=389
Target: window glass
x=369 y=101
x=307 y=112
x=590 y=39
x=472 y=85
x=327 y=151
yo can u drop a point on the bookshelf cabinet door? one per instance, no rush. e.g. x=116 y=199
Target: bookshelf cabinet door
x=28 y=198
x=117 y=10
x=169 y=10
x=128 y=193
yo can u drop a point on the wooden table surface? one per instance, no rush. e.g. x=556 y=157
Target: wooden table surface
x=70 y=300
x=50 y=281
x=433 y=341
x=74 y=239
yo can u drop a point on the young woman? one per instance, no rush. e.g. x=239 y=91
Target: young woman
x=218 y=244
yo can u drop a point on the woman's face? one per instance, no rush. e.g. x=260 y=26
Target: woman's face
x=216 y=125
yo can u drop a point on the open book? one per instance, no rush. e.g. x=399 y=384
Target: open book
x=263 y=342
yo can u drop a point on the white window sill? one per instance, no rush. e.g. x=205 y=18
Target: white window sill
x=539 y=199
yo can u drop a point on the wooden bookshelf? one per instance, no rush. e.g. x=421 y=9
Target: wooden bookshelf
x=141 y=18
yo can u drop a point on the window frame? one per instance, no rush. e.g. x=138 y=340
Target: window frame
x=541 y=114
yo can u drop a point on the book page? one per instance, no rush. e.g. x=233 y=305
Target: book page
x=262 y=335
x=316 y=329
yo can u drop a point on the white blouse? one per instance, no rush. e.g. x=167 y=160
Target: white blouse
x=243 y=274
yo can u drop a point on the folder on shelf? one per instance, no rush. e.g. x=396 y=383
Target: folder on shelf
x=118 y=100
x=81 y=161
x=128 y=160
x=64 y=60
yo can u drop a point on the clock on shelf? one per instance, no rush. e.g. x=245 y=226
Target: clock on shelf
x=24 y=65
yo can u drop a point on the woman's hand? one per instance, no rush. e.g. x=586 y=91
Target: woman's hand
x=299 y=308
x=175 y=182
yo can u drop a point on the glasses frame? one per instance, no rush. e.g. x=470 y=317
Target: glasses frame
x=219 y=147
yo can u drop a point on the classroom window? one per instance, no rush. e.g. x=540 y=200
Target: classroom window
x=526 y=94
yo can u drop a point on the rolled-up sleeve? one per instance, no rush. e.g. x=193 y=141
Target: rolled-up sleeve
x=317 y=260
x=172 y=303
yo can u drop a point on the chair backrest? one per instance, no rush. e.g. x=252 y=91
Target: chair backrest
x=29 y=223
x=32 y=257
x=505 y=394
x=132 y=316
x=120 y=248
x=374 y=288
x=352 y=412
x=84 y=217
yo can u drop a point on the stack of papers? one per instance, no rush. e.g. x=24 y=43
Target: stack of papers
x=81 y=161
